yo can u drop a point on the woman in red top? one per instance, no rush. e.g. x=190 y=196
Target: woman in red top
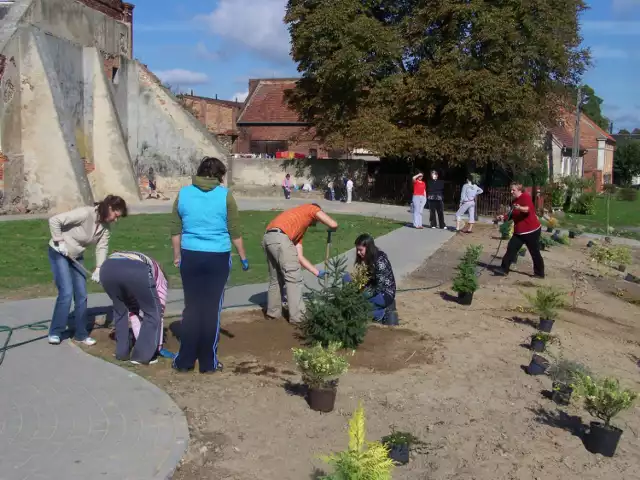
x=526 y=231
x=419 y=199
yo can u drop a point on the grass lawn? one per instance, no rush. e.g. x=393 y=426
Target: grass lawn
x=25 y=272
x=622 y=215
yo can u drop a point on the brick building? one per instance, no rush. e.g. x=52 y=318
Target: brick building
x=267 y=125
x=219 y=116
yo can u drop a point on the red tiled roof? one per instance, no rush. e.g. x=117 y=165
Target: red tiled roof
x=266 y=103
x=564 y=137
x=589 y=131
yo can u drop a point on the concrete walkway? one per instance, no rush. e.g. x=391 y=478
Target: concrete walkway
x=67 y=415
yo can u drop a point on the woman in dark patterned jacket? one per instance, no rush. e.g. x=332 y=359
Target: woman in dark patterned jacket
x=381 y=287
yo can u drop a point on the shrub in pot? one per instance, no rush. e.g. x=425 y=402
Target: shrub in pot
x=552 y=224
x=546 y=242
x=603 y=399
x=540 y=340
x=546 y=302
x=563 y=374
x=538 y=365
x=362 y=460
x=465 y=282
x=320 y=368
x=399 y=445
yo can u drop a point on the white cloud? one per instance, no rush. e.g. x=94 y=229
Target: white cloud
x=203 y=52
x=605 y=53
x=240 y=96
x=180 y=77
x=623 y=6
x=607 y=27
x=257 y=25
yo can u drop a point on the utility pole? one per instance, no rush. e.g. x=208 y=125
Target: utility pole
x=575 y=152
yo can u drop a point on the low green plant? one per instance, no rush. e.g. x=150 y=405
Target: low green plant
x=610 y=254
x=577 y=230
x=562 y=239
x=621 y=255
x=546 y=242
x=584 y=204
x=604 y=398
x=362 y=460
x=466 y=280
x=566 y=371
x=547 y=301
x=557 y=191
x=400 y=438
x=338 y=312
x=506 y=230
x=319 y=366
x=547 y=338
x=628 y=194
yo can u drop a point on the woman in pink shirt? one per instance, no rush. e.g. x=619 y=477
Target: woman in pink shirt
x=137 y=286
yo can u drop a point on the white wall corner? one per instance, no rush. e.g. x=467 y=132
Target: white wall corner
x=601 y=154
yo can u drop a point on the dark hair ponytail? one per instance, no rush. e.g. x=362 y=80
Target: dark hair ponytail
x=116 y=203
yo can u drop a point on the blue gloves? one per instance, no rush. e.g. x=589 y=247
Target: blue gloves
x=245 y=265
x=321 y=274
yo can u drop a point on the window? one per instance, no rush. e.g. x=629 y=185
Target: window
x=313 y=153
x=267 y=147
x=114 y=75
x=607 y=179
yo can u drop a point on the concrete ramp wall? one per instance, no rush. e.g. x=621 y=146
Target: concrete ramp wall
x=162 y=134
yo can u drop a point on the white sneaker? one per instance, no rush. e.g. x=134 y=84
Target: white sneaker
x=89 y=342
x=54 y=339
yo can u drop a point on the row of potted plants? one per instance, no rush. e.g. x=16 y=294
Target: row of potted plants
x=603 y=398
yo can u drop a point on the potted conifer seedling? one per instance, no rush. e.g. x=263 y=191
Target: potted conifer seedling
x=603 y=399
x=320 y=368
x=546 y=303
x=465 y=282
x=399 y=445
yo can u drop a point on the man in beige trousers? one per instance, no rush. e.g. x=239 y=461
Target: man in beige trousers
x=282 y=244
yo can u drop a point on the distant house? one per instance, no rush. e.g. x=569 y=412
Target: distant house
x=560 y=151
x=600 y=148
x=219 y=116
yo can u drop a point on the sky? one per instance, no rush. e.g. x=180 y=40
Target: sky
x=214 y=47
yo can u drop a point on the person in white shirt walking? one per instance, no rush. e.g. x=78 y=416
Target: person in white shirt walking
x=71 y=233
x=349 y=190
x=468 y=204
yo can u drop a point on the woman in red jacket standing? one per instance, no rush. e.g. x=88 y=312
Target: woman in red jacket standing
x=526 y=231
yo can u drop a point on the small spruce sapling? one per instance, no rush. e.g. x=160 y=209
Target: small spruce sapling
x=466 y=280
x=546 y=302
x=338 y=312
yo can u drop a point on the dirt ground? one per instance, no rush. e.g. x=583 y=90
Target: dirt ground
x=451 y=375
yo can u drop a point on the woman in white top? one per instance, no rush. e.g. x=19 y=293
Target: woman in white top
x=71 y=233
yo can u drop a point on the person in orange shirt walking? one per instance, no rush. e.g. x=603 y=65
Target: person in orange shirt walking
x=282 y=244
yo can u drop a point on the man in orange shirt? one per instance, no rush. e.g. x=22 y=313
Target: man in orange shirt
x=282 y=243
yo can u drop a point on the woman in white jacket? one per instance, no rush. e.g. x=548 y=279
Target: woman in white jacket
x=71 y=233
x=468 y=204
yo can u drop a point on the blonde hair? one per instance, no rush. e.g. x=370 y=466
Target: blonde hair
x=517 y=186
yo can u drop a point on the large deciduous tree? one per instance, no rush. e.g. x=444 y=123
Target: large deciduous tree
x=593 y=108
x=626 y=161
x=448 y=79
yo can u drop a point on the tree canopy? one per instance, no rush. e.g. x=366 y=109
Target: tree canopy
x=451 y=80
x=626 y=161
x=593 y=107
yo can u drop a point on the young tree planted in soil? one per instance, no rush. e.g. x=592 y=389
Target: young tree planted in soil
x=338 y=312
x=451 y=80
x=362 y=460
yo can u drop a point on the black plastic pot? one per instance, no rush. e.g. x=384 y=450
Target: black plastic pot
x=622 y=268
x=590 y=244
x=572 y=234
x=465 y=298
x=602 y=440
x=561 y=393
x=632 y=278
x=399 y=454
x=549 y=230
x=538 y=365
x=545 y=325
x=537 y=345
x=322 y=399
x=391 y=316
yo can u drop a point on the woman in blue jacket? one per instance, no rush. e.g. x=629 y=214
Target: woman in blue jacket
x=205 y=224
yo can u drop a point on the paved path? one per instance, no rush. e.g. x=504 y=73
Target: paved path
x=67 y=415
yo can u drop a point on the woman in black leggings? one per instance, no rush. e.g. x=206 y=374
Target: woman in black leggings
x=435 y=196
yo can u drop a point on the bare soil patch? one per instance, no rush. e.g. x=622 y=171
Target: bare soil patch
x=451 y=375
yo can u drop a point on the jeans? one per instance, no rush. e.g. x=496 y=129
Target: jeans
x=287 y=193
x=72 y=285
x=532 y=241
x=418 y=206
x=380 y=302
x=436 y=207
x=204 y=276
x=131 y=288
